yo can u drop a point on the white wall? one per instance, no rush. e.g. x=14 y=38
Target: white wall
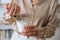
x=5 y=1
x=59 y=1
x=1 y=13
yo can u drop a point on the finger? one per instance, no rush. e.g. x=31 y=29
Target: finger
x=35 y=29
x=15 y=11
x=26 y=27
x=9 y=6
x=32 y=33
x=18 y=10
x=31 y=27
x=29 y=34
x=26 y=31
x=12 y=9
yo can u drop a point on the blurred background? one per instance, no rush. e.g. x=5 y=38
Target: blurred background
x=6 y=31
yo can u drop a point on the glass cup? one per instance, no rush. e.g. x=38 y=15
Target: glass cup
x=21 y=25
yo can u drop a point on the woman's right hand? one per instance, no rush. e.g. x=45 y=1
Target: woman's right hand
x=12 y=9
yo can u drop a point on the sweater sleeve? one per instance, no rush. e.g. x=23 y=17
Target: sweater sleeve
x=49 y=30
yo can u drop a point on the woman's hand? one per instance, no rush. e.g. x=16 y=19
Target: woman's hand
x=12 y=9
x=30 y=30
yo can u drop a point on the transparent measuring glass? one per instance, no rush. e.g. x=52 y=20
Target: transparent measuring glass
x=21 y=24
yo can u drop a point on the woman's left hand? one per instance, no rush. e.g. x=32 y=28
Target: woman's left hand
x=30 y=30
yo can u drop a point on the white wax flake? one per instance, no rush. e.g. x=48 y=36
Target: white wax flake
x=7 y=16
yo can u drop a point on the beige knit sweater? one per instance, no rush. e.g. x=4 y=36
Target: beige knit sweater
x=43 y=15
